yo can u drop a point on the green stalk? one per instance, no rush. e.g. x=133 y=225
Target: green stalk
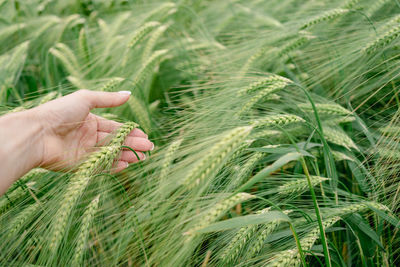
x=318 y=213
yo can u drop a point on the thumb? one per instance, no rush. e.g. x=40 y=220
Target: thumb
x=98 y=99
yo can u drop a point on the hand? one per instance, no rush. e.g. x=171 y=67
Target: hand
x=71 y=131
x=58 y=134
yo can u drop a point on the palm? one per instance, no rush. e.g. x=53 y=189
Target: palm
x=73 y=132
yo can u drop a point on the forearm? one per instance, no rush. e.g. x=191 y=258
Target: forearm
x=20 y=136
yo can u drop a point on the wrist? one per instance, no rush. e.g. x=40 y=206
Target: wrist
x=24 y=132
x=22 y=138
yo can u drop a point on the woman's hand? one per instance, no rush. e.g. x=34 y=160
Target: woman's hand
x=58 y=134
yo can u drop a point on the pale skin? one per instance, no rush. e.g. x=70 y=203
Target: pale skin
x=59 y=134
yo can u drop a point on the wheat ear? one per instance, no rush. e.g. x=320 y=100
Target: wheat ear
x=19 y=221
x=274 y=120
x=350 y=4
x=330 y=109
x=67 y=58
x=339 y=137
x=299 y=185
x=214 y=159
x=266 y=230
x=267 y=91
x=101 y=160
x=111 y=84
x=155 y=36
x=295 y=44
x=291 y=257
x=375 y=6
x=218 y=210
x=232 y=251
x=84 y=231
x=156 y=58
x=263 y=83
x=383 y=40
x=328 y=15
x=168 y=158
x=140 y=33
x=140 y=111
x=246 y=169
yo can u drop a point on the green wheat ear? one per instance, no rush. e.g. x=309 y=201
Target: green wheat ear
x=239 y=241
x=383 y=40
x=97 y=162
x=329 y=15
x=261 y=236
x=218 y=210
x=21 y=219
x=266 y=92
x=274 y=120
x=216 y=156
x=291 y=257
x=83 y=235
x=329 y=109
x=142 y=32
x=299 y=185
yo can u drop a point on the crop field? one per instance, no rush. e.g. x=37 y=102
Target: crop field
x=276 y=126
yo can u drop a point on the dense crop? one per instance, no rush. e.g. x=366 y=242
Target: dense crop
x=276 y=126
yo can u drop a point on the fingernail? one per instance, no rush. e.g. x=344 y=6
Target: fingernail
x=127 y=164
x=144 y=156
x=125 y=92
x=152 y=148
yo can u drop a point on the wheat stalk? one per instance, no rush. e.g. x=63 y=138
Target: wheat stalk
x=214 y=159
x=299 y=185
x=328 y=15
x=218 y=210
x=232 y=251
x=84 y=231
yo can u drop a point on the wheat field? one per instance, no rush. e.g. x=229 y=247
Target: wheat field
x=276 y=126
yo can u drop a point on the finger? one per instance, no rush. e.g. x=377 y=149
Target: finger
x=139 y=143
x=97 y=99
x=121 y=165
x=108 y=126
x=130 y=157
x=103 y=137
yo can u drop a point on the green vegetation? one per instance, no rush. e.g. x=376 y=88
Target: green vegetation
x=276 y=126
